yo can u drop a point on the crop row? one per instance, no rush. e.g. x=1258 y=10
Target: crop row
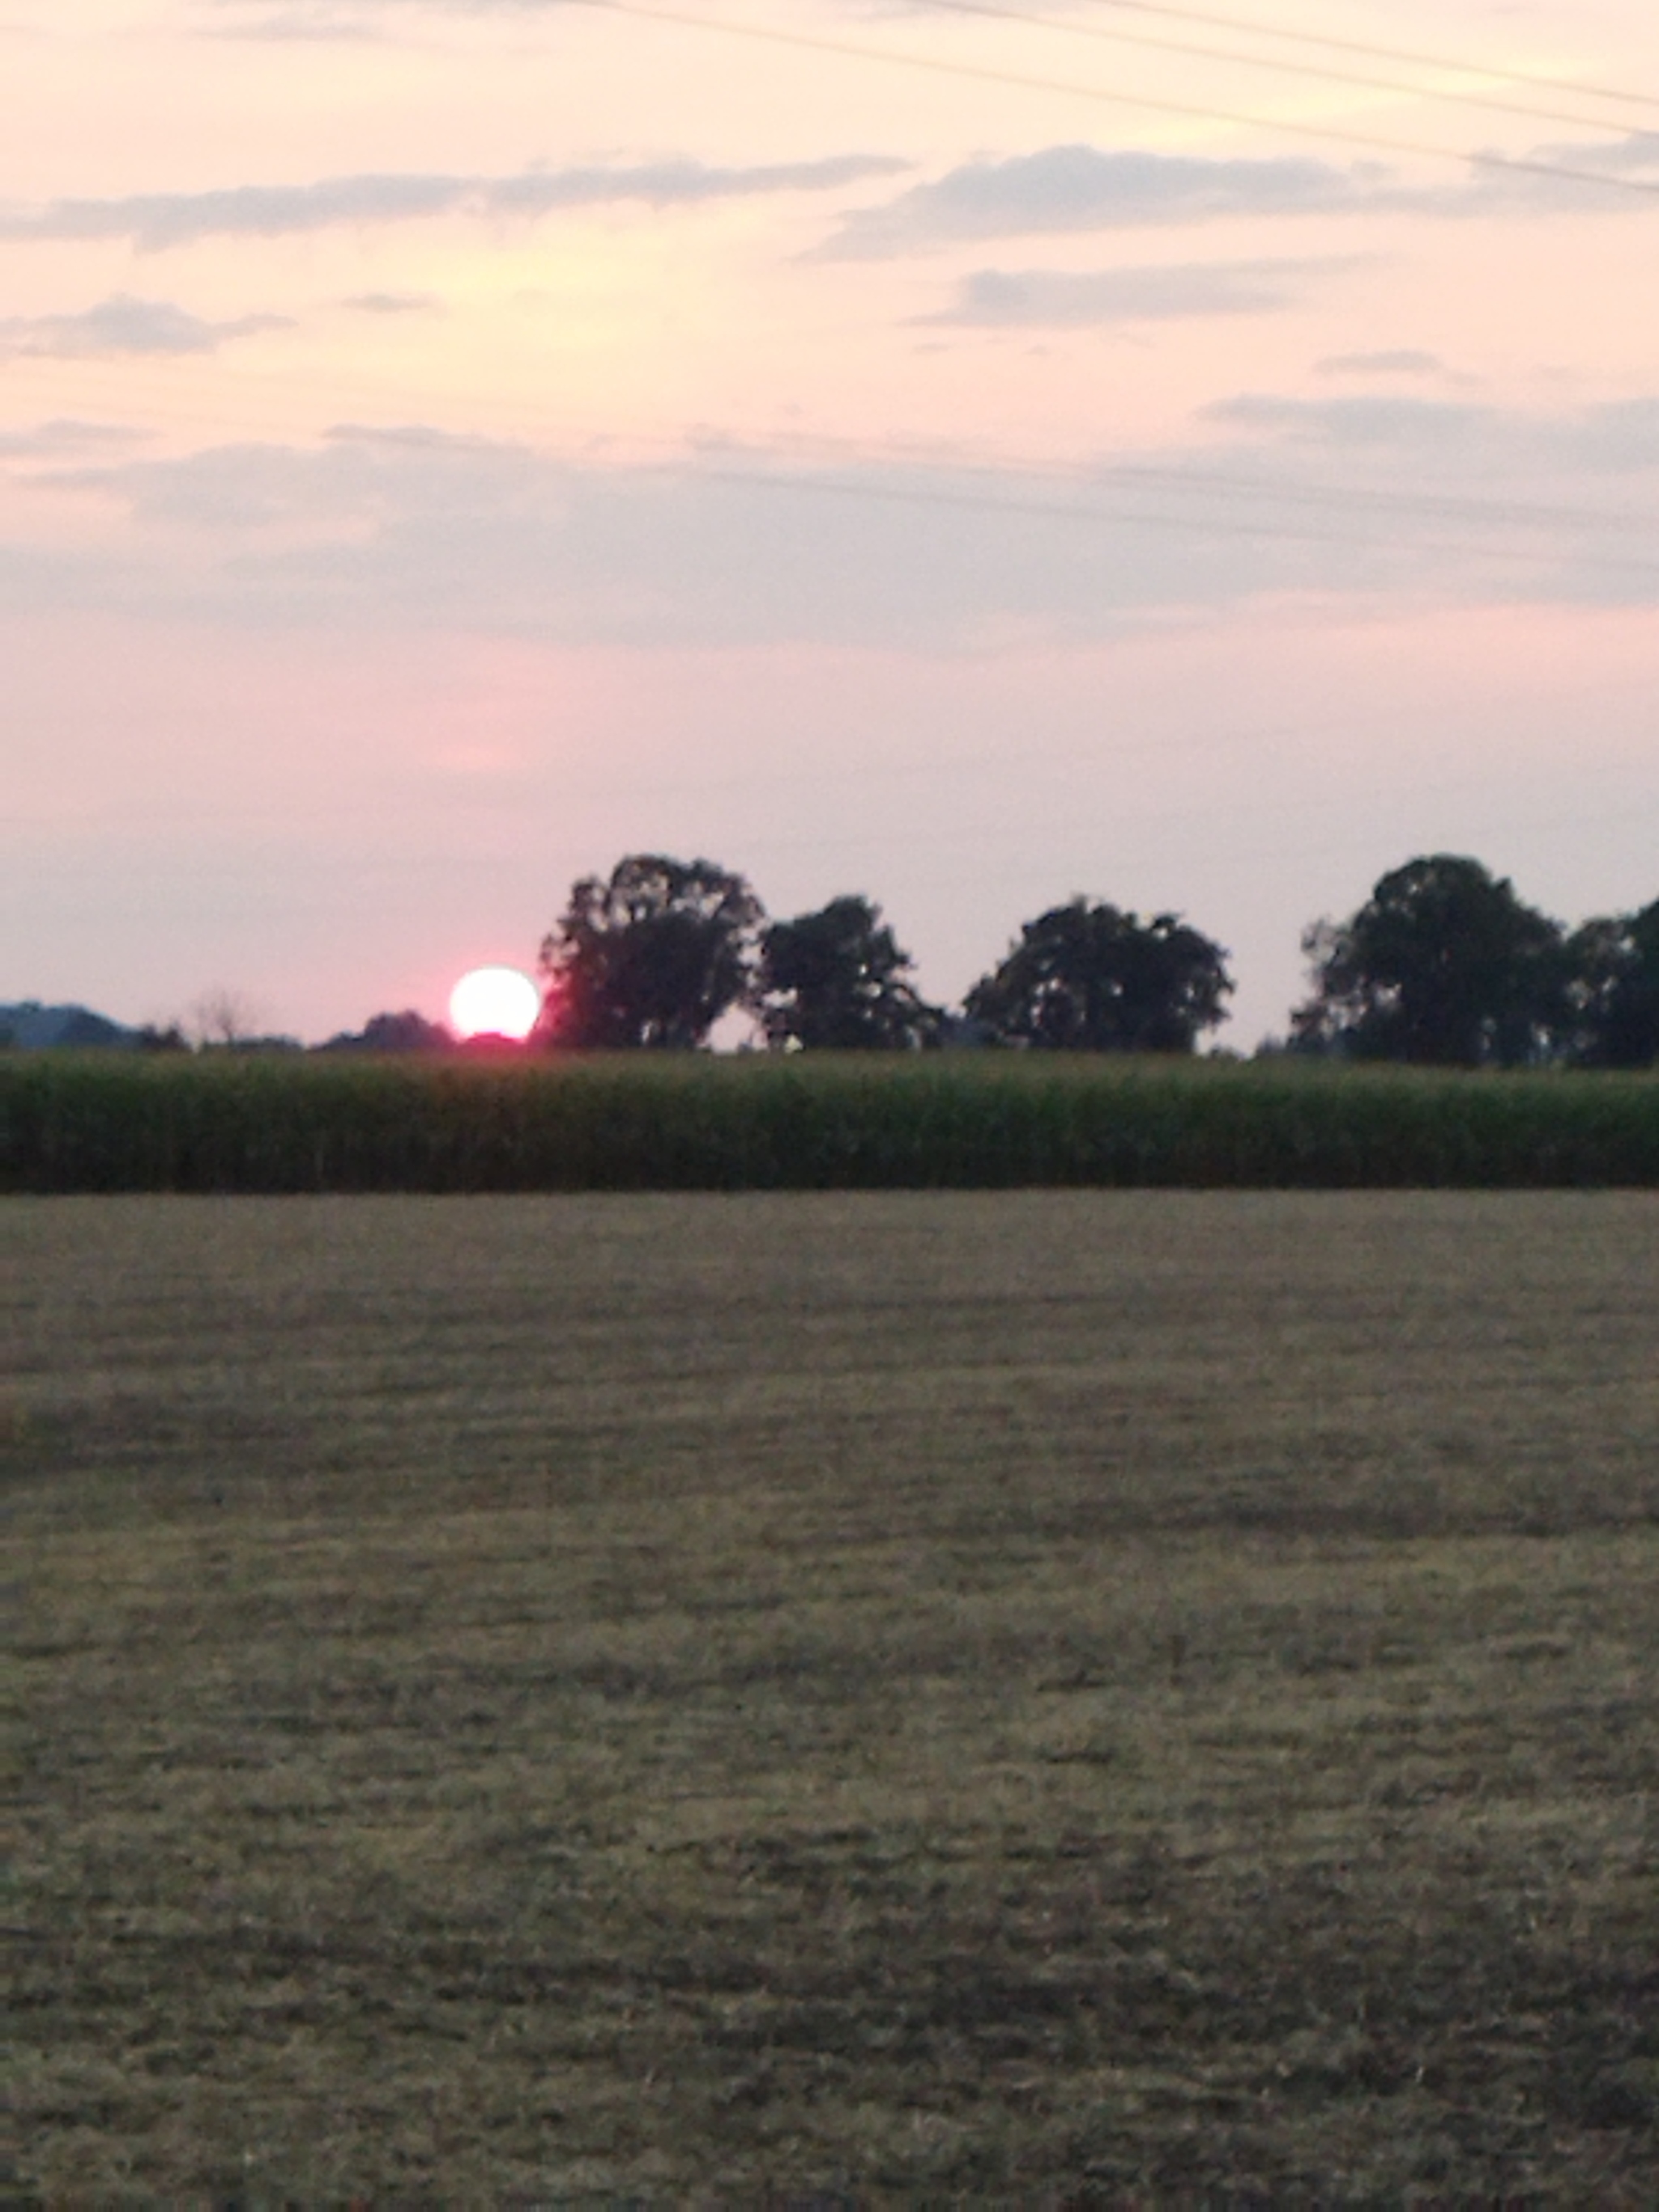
x=683 y=1121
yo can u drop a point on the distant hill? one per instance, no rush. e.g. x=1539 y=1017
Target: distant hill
x=28 y=1026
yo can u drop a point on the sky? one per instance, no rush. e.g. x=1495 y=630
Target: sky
x=1191 y=456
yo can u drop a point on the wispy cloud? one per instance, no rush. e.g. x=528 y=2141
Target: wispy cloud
x=1493 y=447
x=154 y=221
x=1064 y=189
x=123 y=324
x=1367 y=495
x=64 y=435
x=1636 y=155
x=302 y=24
x=1068 y=189
x=1400 y=361
x=1562 y=183
x=393 y=303
x=995 y=299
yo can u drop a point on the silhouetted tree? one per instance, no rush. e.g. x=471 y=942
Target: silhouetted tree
x=1443 y=964
x=407 y=1031
x=1612 y=984
x=836 y=979
x=1094 y=979
x=652 y=956
x=224 y=1018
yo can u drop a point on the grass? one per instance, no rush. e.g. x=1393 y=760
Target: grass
x=1067 y=1698
x=692 y=1121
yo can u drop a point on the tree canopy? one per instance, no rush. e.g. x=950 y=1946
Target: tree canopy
x=1443 y=964
x=408 y=1031
x=1613 y=986
x=651 y=957
x=836 y=979
x=1094 y=979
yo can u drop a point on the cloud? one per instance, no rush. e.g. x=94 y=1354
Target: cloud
x=293 y=24
x=65 y=435
x=1484 y=444
x=1372 y=496
x=1637 y=155
x=994 y=299
x=1065 y=189
x=1564 y=182
x=1401 y=361
x=154 y=221
x=392 y=303
x=123 y=324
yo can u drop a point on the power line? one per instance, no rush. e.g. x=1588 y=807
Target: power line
x=808 y=42
x=1078 y=511
x=1502 y=513
x=1325 y=75
x=995 y=469
x=1005 y=469
x=1382 y=53
x=1469 y=513
x=1003 y=466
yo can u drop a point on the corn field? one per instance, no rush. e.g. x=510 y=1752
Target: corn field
x=683 y=1121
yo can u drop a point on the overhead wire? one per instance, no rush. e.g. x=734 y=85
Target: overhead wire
x=702 y=457
x=1003 y=466
x=1227 y=486
x=1084 y=511
x=1374 y=141
x=1091 y=508
x=984 y=9
x=1372 y=51
x=1096 y=506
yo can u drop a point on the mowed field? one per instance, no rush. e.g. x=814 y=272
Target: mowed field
x=1056 y=1697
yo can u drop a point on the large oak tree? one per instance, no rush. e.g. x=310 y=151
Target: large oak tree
x=836 y=979
x=651 y=956
x=1613 y=966
x=1443 y=964
x=1087 y=978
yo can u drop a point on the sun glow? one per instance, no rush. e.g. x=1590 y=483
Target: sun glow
x=495 y=1002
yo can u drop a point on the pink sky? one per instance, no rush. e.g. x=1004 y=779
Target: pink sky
x=446 y=446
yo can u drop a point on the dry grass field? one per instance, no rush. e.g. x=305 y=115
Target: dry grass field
x=1057 y=1697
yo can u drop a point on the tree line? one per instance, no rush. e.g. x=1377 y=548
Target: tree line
x=1443 y=964
x=654 y=954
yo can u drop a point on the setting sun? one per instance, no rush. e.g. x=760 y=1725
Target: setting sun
x=495 y=1002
